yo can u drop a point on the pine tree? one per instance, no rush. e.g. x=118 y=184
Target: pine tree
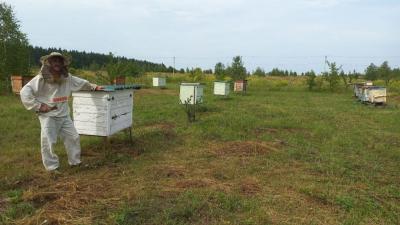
x=311 y=80
x=332 y=76
x=237 y=71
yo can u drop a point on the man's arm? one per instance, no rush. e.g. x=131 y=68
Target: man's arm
x=79 y=84
x=28 y=98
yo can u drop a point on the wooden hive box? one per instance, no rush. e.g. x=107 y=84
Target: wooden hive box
x=240 y=86
x=159 y=82
x=102 y=113
x=376 y=95
x=191 y=93
x=358 y=88
x=120 y=80
x=221 y=88
x=17 y=82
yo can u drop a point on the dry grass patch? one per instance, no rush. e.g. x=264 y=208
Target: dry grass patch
x=61 y=201
x=169 y=171
x=245 y=148
x=195 y=183
x=250 y=186
x=287 y=206
x=205 y=183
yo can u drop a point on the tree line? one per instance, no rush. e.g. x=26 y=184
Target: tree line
x=335 y=75
x=332 y=78
x=97 y=61
x=237 y=70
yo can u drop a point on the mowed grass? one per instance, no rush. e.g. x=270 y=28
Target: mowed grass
x=277 y=155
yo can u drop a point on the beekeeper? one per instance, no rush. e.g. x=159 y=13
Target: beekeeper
x=47 y=94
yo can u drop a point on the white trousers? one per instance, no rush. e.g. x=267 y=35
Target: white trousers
x=52 y=127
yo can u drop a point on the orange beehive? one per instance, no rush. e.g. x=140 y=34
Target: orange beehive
x=240 y=86
x=17 y=82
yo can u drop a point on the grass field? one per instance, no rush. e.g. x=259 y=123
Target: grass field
x=277 y=155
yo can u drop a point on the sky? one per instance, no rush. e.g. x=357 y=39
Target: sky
x=287 y=34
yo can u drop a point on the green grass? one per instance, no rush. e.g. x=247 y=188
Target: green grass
x=277 y=155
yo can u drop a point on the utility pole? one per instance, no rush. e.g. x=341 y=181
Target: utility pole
x=326 y=62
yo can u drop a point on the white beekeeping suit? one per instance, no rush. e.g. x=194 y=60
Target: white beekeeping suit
x=42 y=89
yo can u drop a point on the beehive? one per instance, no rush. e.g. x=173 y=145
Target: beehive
x=17 y=82
x=102 y=113
x=221 y=88
x=159 y=82
x=240 y=86
x=119 y=80
x=358 y=88
x=191 y=93
x=374 y=94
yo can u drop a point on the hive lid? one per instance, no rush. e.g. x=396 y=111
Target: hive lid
x=358 y=83
x=366 y=83
x=373 y=87
x=121 y=87
x=192 y=84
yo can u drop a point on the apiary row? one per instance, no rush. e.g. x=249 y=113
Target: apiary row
x=103 y=113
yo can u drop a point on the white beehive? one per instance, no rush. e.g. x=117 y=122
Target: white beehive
x=374 y=94
x=221 y=88
x=159 y=82
x=363 y=94
x=191 y=93
x=102 y=113
x=358 y=88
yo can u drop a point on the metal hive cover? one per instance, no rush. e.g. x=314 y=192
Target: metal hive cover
x=192 y=84
x=121 y=87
